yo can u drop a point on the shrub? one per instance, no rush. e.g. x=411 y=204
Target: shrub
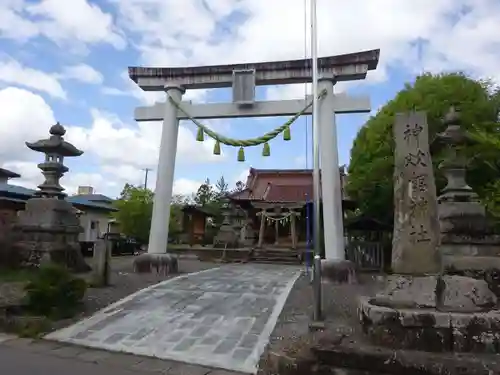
x=54 y=292
x=11 y=256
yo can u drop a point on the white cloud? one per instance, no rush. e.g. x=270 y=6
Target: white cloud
x=186 y=186
x=83 y=73
x=14 y=73
x=62 y=20
x=12 y=23
x=147 y=97
x=241 y=176
x=31 y=177
x=70 y=23
x=17 y=124
x=423 y=35
x=119 y=150
x=112 y=140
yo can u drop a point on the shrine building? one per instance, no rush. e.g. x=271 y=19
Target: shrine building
x=276 y=203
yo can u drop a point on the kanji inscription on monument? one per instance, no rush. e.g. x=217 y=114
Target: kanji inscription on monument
x=415 y=247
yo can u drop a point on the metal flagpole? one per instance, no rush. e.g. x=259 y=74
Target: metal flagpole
x=308 y=236
x=316 y=171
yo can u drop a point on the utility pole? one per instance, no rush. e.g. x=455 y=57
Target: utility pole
x=146 y=171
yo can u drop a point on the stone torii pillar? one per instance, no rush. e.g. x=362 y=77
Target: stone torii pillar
x=331 y=189
x=243 y=78
x=158 y=234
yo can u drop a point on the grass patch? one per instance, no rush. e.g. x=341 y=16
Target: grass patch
x=16 y=275
x=25 y=325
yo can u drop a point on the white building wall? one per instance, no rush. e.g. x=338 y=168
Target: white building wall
x=92 y=232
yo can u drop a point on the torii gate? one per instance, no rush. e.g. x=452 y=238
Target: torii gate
x=243 y=78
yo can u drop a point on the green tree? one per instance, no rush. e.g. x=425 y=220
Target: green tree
x=371 y=165
x=488 y=143
x=221 y=187
x=205 y=194
x=135 y=208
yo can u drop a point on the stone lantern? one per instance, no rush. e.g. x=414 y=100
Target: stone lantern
x=227 y=236
x=55 y=149
x=49 y=226
x=469 y=245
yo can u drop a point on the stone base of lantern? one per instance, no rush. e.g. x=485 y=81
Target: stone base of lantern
x=431 y=313
x=338 y=271
x=48 y=232
x=164 y=264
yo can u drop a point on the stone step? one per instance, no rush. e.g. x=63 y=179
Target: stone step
x=263 y=256
x=276 y=253
x=281 y=258
x=276 y=261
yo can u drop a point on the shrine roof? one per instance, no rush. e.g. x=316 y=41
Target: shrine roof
x=280 y=186
x=192 y=208
x=346 y=67
x=289 y=193
x=9 y=174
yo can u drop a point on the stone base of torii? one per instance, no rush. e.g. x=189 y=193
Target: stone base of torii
x=175 y=81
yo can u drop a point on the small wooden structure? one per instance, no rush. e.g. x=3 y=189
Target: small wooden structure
x=368 y=243
x=194 y=224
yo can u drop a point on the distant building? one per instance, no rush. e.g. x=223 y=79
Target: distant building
x=94 y=210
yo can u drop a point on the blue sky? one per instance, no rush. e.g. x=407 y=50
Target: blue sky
x=67 y=61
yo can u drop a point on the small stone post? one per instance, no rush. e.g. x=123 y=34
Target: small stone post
x=102 y=263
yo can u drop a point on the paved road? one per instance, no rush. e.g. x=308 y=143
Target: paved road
x=39 y=357
x=220 y=317
x=20 y=362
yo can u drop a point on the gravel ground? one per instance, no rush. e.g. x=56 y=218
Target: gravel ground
x=291 y=336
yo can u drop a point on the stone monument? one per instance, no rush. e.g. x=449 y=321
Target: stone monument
x=49 y=227
x=420 y=308
x=415 y=246
x=247 y=234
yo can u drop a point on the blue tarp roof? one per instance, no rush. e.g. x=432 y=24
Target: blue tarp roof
x=100 y=201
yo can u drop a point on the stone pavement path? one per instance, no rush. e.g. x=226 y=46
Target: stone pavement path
x=220 y=317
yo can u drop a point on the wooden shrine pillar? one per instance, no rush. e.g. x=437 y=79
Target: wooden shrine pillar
x=262 y=227
x=276 y=232
x=293 y=229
